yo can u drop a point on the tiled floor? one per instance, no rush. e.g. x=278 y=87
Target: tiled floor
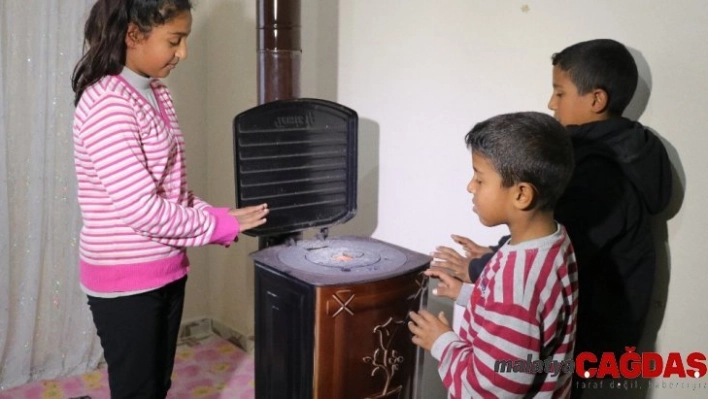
x=210 y=368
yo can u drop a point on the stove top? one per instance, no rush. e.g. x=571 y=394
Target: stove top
x=340 y=260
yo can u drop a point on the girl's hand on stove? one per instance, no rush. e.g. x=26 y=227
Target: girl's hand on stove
x=448 y=286
x=427 y=328
x=250 y=216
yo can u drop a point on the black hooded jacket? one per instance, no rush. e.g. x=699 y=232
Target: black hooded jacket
x=622 y=176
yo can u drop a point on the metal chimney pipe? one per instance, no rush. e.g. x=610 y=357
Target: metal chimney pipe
x=279 y=55
x=279 y=50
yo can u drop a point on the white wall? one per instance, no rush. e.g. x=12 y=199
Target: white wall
x=420 y=73
x=425 y=72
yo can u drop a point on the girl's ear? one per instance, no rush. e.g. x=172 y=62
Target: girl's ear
x=133 y=35
x=524 y=196
x=600 y=101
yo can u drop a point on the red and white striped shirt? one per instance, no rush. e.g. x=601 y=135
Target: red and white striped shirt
x=138 y=213
x=523 y=306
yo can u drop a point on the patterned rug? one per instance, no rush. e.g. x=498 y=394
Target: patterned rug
x=210 y=368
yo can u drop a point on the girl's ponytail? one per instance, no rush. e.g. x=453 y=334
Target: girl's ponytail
x=104 y=44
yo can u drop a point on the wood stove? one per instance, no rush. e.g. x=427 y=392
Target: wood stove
x=331 y=312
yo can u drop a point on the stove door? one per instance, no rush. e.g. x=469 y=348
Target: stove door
x=300 y=157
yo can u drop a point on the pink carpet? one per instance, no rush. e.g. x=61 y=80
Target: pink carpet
x=210 y=368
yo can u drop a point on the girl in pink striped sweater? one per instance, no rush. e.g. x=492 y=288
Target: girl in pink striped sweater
x=523 y=307
x=138 y=212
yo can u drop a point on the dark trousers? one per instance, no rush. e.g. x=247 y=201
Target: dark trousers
x=139 y=337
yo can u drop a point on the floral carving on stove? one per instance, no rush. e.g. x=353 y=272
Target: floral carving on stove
x=386 y=359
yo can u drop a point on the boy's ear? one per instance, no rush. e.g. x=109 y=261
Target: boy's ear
x=600 y=100
x=133 y=35
x=524 y=196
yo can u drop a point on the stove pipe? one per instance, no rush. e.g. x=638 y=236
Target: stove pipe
x=279 y=50
x=279 y=55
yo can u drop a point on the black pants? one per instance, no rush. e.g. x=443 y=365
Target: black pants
x=139 y=337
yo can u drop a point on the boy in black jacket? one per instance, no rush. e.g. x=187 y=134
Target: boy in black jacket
x=622 y=176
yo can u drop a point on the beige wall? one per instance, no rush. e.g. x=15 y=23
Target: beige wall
x=189 y=91
x=214 y=84
x=210 y=88
x=420 y=73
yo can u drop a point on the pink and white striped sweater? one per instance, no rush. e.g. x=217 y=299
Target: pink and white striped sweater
x=138 y=213
x=523 y=306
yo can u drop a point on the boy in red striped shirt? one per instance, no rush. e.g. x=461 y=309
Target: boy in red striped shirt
x=522 y=311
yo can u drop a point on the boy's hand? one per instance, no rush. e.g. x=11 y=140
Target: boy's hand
x=448 y=286
x=427 y=328
x=448 y=259
x=250 y=216
x=471 y=248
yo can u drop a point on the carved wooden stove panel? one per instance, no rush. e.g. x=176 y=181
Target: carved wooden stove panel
x=340 y=333
x=362 y=344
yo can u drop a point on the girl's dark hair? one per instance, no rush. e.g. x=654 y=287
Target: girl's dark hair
x=104 y=35
x=528 y=147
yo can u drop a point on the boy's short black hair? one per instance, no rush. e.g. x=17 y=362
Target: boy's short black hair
x=601 y=64
x=527 y=147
